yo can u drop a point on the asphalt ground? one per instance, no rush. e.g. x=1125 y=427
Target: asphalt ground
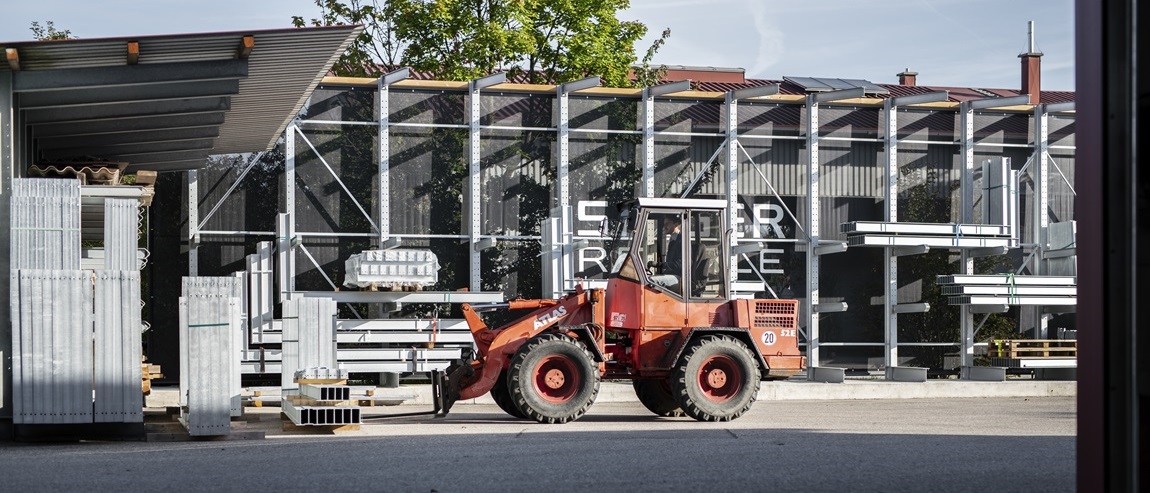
x=935 y=445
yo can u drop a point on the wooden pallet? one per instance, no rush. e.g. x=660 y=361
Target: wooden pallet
x=148 y=372
x=1033 y=348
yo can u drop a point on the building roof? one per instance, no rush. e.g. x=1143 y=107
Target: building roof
x=167 y=102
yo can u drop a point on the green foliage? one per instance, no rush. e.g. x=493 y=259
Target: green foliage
x=574 y=39
x=462 y=39
x=48 y=32
x=544 y=41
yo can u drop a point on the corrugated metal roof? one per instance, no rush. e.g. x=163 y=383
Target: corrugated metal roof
x=187 y=96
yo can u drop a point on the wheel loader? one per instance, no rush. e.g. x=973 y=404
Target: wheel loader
x=665 y=321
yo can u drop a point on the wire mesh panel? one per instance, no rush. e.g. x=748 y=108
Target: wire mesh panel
x=121 y=234
x=118 y=398
x=209 y=319
x=45 y=215
x=52 y=347
x=308 y=337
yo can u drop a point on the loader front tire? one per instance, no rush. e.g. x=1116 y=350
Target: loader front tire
x=656 y=396
x=716 y=379
x=553 y=379
x=502 y=397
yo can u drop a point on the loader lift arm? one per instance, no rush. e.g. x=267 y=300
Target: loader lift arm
x=472 y=378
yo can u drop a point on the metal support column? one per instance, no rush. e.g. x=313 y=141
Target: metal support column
x=384 y=198
x=7 y=166
x=286 y=229
x=647 y=116
x=812 y=220
x=472 y=220
x=193 y=221
x=563 y=185
x=1041 y=220
x=731 y=127
x=966 y=216
x=812 y=214
x=890 y=214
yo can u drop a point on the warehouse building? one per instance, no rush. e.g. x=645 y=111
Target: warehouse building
x=509 y=184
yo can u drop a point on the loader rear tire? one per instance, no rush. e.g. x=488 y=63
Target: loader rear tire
x=553 y=379
x=656 y=396
x=502 y=397
x=716 y=379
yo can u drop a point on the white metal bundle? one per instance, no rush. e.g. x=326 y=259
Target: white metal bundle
x=210 y=321
x=392 y=268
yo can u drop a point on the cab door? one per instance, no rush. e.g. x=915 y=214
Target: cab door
x=707 y=270
x=662 y=252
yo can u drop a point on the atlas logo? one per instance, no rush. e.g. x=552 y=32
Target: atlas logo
x=547 y=318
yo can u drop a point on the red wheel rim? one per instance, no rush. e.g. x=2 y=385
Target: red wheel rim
x=556 y=379
x=720 y=378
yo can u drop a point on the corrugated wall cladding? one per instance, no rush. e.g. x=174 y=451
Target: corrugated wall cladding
x=45 y=231
x=117 y=331
x=121 y=234
x=516 y=170
x=308 y=337
x=52 y=346
x=210 y=321
x=428 y=167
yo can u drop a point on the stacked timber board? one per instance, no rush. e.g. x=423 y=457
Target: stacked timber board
x=935 y=235
x=1009 y=289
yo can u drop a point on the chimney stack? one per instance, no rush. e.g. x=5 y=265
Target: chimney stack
x=1031 y=67
x=907 y=78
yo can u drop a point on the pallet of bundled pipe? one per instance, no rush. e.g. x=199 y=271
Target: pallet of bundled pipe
x=1007 y=290
x=1013 y=300
x=884 y=240
x=399 y=268
x=1006 y=279
x=924 y=229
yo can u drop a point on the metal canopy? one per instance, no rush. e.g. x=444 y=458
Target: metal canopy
x=181 y=99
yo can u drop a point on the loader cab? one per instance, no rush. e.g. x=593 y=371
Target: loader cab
x=666 y=255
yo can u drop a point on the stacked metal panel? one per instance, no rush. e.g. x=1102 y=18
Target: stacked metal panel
x=52 y=346
x=392 y=268
x=258 y=286
x=1009 y=289
x=308 y=337
x=117 y=329
x=45 y=216
x=940 y=235
x=121 y=234
x=210 y=322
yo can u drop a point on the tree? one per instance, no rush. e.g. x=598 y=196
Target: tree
x=540 y=41
x=48 y=32
x=374 y=46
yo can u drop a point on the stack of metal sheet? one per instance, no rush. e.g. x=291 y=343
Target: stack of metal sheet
x=308 y=337
x=936 y=235
x=1009 y=289
x=121 y=234
x=372 y=346
x=52 y=347
x=210 y=322
x=45 y=218
x=117 y=328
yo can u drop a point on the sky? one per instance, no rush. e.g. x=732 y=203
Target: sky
x=973 y=43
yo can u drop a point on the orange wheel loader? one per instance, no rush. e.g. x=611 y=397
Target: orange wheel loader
x=665 y=321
